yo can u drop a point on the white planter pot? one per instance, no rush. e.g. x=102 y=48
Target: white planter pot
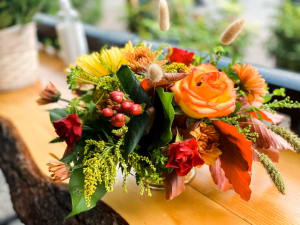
x=18 y=56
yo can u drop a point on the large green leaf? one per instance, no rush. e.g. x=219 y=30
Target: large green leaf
x=169 y=112
x=57 y=114
x=132 y=86
x=76 y=188
x=136 y=129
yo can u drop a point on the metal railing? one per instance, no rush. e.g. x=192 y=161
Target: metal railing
x=98 y=38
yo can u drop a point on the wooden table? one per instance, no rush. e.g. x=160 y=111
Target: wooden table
x=201 y=203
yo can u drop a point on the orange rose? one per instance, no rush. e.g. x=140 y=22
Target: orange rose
x=205 y=92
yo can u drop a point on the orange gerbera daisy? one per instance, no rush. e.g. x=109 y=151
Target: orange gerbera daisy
x=140 y=58
x=252 y=82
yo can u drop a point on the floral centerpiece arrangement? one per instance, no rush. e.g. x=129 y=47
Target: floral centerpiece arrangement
x=157 y=115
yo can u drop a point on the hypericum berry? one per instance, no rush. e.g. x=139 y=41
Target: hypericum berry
x=126 y=106
x=107 y=112
x=117 y=96
x=117 y=107
x=118 y=120
x=119 y=117
x=117 y=124
x=136 y=110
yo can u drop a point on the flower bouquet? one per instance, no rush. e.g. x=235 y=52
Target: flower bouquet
x=158 y=114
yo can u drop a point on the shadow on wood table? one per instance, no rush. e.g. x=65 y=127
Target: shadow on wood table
x=36 y=199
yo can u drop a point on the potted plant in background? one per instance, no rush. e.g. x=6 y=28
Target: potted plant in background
x=284 y=45
x=18 y=49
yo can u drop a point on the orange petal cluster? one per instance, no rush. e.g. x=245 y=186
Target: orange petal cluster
x=140 y=58
x=205 y=92
x=59 y=171
x=208 y=141
x=252 y=82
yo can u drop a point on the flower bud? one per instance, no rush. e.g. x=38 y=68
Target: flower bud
x=232 y=32
x=49 y=94
x=155 y=72
x=164 y=18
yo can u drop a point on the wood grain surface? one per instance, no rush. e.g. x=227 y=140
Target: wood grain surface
x=201 y=203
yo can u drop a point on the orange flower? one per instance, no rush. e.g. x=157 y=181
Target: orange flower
x=59 y=171
x=252 y=81
x=205 y=92
x=140 y=58
x=208 y=141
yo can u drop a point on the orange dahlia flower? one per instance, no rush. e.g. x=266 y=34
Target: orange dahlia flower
x=205 y=92
x=252 y=82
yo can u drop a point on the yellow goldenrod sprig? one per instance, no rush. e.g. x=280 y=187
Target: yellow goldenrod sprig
x=145 y=172
x=100 y=165
x=272 y=171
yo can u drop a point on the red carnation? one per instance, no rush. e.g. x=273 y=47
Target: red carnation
x=181 y=56
x=183 y=156
x=69 y=129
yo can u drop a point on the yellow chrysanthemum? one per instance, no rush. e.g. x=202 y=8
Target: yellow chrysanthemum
x=128 y=47
x=112 y=59
x=92 y=64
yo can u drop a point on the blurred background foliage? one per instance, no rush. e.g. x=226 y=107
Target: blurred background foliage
x=90 y=10
x=285 y=43
x=13 y=12
x=190 y=26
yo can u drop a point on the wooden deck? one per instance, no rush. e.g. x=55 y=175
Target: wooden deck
x=201 y=203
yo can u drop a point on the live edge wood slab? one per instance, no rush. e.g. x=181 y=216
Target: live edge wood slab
x=24 y=152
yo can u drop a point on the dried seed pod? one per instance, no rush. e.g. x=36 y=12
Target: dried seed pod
x=164 y=17
x=155 y=72
x=134 y=3
x=232 y=32
x=174 y=76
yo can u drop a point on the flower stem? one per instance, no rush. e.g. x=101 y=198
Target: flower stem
x=64 y=100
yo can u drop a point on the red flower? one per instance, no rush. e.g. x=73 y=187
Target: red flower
x=69 y=129
x=183 y=156
x=181 y=56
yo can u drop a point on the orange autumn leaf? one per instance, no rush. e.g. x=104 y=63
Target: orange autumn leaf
x=261 y=115
x=267 y=116
x=236 y=158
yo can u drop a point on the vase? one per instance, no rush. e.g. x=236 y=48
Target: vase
x=18 y=56
x=187 y=179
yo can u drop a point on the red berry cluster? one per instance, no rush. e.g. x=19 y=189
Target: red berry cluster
x=120 y=108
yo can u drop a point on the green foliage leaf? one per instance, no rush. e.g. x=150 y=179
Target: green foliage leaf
x=169 y=112
x=73 y=156
x=57 y=114
x=279 y=92
x=136 y=129
x=178 y=138
x=131 y=86
x=76 y=189
x=56 y=140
